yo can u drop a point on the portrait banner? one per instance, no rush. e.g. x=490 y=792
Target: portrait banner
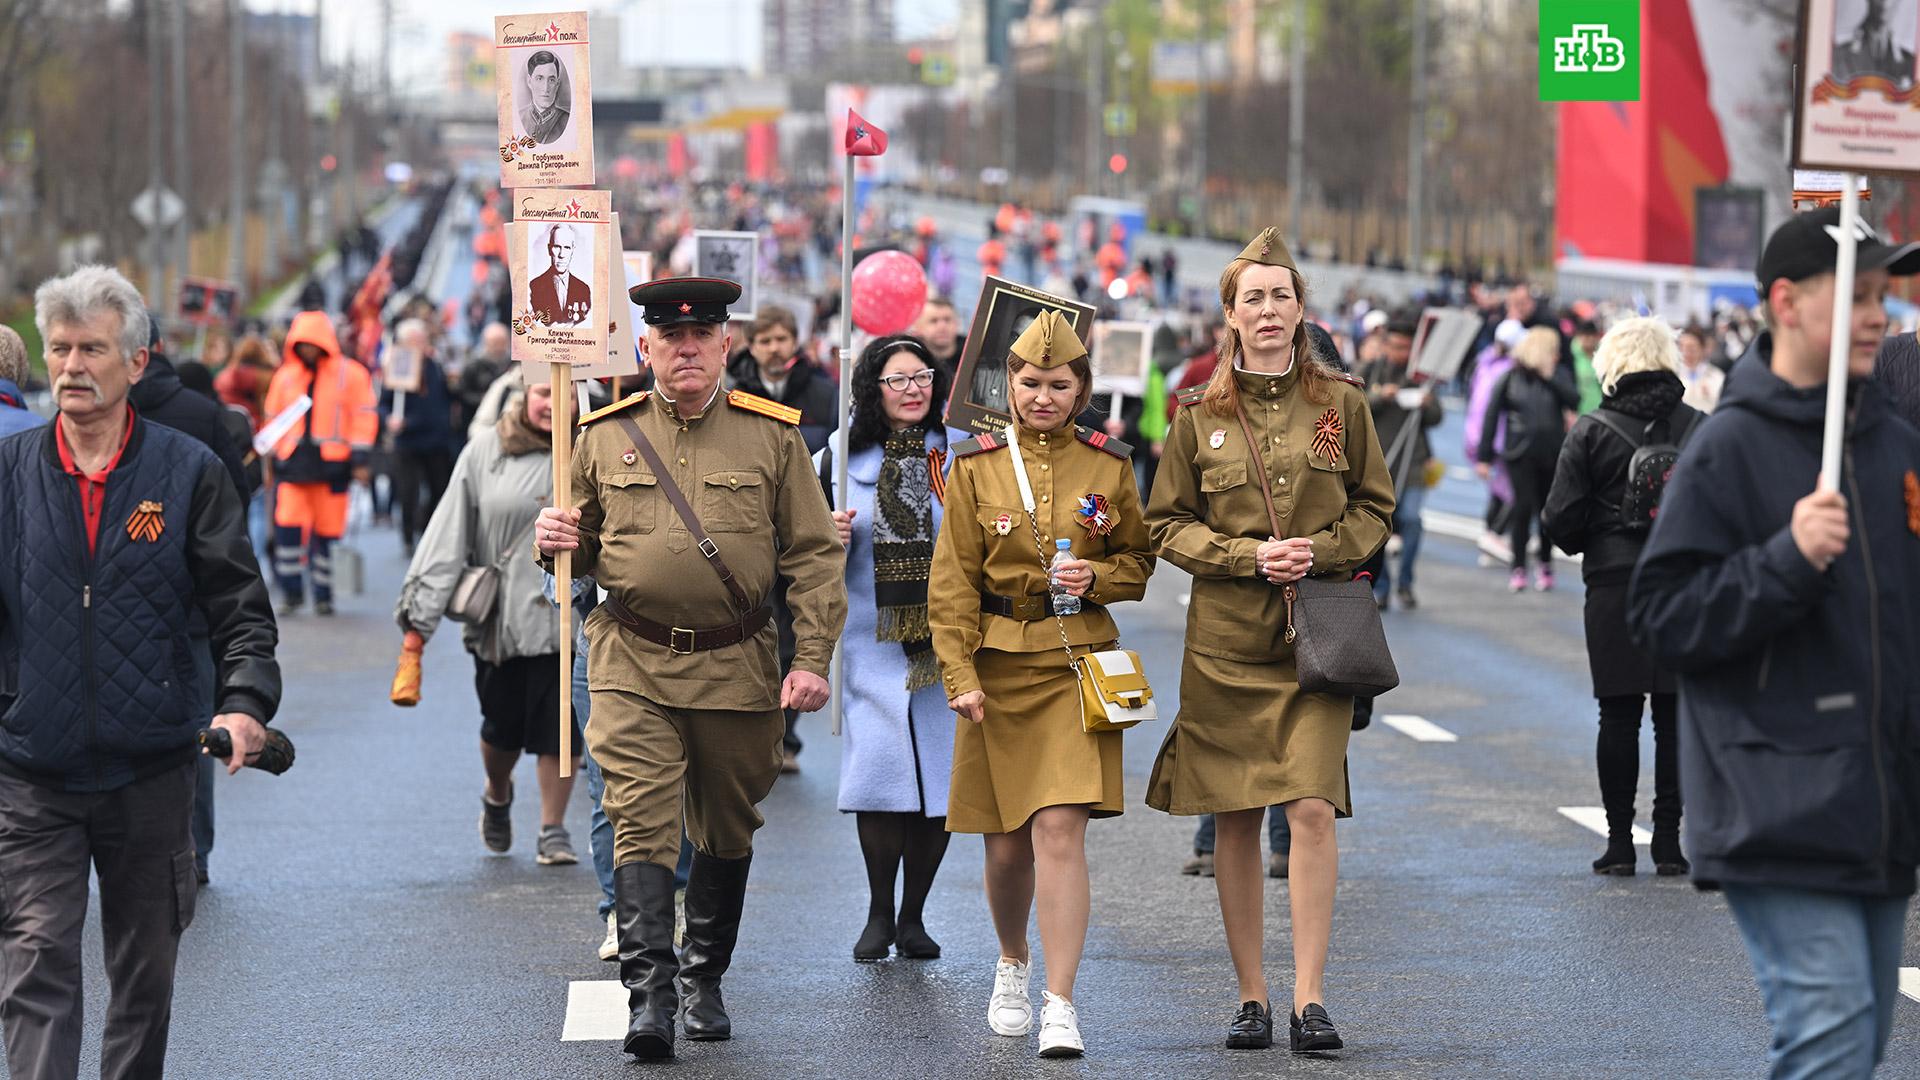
x=734 y=256
x=546 y=100
x=1121 y=356
x=558 y=246
x=1856 y=102
x=1005 y=309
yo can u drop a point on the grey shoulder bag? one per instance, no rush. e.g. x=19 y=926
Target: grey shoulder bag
x=1339 y=645
x=477 y=592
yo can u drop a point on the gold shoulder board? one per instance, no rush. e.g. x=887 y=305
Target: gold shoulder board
x=754 y=403
x=634 y=398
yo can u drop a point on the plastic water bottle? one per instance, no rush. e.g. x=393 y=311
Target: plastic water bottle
x=1064 y=602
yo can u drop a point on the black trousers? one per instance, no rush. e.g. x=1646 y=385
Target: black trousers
x=1532 y=478
x=137 y=839
x=419 y=479
x=1617 y=753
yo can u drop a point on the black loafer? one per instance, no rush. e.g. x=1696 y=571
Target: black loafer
x=1252 y=1027
x=1311 y=1031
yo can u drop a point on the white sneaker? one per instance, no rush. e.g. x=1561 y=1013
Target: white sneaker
x=1059 y=1027
x=1010 y=1013
x=610 y=948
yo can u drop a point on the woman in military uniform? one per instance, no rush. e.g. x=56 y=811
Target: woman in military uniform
x=1025 y=774
x=1247 y=736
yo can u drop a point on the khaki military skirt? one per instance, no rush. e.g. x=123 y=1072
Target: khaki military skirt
x=1247 y=736
x=1030 y=752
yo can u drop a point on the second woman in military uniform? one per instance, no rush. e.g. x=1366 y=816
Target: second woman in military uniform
x=1273 y=416
x=1025 y=773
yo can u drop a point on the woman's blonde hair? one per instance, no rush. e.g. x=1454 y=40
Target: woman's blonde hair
x=1539 y=351
x=1639 y=344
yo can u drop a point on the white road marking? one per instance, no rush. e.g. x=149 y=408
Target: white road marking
x=1461 y=472
x=1910 y=982
x=596 y=1010
x=1595 y=818
x=1419 y=728
x=1462 y=527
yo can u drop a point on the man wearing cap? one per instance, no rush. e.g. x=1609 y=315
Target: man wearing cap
x=1786 y=608
x=689 y=505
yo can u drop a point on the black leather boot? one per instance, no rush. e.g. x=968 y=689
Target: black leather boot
x=643 y=910
x=716 y=889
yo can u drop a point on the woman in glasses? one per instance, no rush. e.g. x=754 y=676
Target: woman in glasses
x=897 y=746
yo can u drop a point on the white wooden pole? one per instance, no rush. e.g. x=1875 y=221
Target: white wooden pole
x=1842 y=343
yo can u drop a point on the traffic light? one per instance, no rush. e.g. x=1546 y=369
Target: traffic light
x=1117 y=164
x=915 y=57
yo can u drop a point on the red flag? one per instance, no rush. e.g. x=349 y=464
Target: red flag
x=863 y=139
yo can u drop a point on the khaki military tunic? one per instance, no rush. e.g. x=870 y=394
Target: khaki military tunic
x=1030 y=752
x=709 y=721
x=1246 y=735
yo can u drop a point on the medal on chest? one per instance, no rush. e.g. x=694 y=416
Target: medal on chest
x=1095 y=515
x=1218 y=438
x=627 y=458
x=1326 y=436
x=1003 y=525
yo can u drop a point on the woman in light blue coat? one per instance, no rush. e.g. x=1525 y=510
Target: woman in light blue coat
x=897 y=748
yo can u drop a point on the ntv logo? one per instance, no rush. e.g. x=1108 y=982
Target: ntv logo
x=1589 y=49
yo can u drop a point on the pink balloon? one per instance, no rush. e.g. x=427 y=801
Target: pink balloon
x=889 y=289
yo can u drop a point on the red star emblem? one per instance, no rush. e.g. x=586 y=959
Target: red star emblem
x=686 y=309
x=573 y=208
x=553 y=31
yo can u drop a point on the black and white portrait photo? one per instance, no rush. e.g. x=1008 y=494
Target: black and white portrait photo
x=1003 y=313
x=735 y=257
x=1875 y=37
x=543 y=99
x=559 y=293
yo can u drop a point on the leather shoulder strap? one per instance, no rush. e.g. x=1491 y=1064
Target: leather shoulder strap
x=1600 y=417
x=1259 y=466
x=680 y=506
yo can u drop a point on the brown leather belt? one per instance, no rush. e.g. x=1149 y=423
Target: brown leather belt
x=682 y=641
x=1024 y=608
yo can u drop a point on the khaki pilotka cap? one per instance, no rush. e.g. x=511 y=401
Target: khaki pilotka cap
x=1049 y=342
x=1268 y=248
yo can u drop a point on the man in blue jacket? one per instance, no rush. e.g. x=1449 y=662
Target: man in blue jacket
x=113 y=531
x=1788 y=611
x=14 y=414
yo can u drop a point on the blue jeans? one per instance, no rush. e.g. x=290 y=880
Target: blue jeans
x=1279 y=837
x=1406 y=522
x=1828 y=965
x=600 y=835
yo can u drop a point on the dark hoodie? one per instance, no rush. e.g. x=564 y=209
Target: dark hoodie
x=1799 y=697
x=817 y=398
x=1583 y=509
x=160 y=397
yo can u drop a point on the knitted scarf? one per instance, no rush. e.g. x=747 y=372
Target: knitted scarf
x=903 y=551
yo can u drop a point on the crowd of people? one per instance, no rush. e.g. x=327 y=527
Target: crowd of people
x=719 y=560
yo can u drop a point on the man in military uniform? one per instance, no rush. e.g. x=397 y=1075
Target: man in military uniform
x=689 y=503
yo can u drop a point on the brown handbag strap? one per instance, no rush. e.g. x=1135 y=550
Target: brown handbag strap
x=708 y=548
x=1266 y=493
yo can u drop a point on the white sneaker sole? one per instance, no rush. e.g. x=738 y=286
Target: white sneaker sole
x=1062 y=1051
x=1010 y=1031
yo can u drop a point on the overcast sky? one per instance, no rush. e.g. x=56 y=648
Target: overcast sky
x=421 y=26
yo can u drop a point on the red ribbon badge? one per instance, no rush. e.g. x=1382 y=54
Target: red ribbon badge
x=1913 y=502
x=1326 y=436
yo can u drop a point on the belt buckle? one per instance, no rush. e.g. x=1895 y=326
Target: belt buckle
x=673 y=641
x=709 y=548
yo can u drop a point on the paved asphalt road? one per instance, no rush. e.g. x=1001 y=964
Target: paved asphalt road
x=355 y=926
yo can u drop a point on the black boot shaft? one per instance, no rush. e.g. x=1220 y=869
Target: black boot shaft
x=643 y=917
x=716 y=892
